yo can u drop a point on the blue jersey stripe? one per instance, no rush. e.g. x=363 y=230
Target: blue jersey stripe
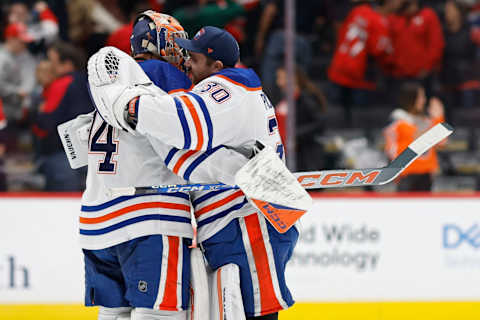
x=122 y=224
x=222 y=214
x=206 y=115
x=199 y=160
x=277 y=206
x=125 y=198
x=183 y=121
x=170 y=155
x=246 y=77
x=208 y=196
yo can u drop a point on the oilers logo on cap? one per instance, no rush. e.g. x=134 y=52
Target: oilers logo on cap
x=215 y=43
x=200 y=33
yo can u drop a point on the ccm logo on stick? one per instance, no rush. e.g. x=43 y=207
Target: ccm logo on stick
x=338 y=178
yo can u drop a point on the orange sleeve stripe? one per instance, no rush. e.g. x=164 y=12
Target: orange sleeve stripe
x=219 y=203
x=135 y=207
x=182 y=159
x=177 y=90
x=180 y=90
x=238 y=83
x=196 y=121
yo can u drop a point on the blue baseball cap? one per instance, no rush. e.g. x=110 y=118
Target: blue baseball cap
x=215 y=43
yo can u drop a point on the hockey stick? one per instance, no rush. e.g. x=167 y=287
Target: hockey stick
x=325 y=178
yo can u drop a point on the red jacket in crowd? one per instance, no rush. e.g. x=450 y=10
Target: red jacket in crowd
x=418 y=42
x=120 y=38
x=64 y=99
x=363 y=35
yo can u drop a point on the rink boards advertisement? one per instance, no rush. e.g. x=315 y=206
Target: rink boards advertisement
x=352 y=250
x=388 y=250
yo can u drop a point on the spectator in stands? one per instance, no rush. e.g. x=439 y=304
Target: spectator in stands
x=91 y=23
x=270 y=38
x=364 y=37
x=460 y=74
x=44 y=75
x=217 y=13
x=474 y=20
x=418 y=41
x=120 y=38
x=41 y=22
x=310 y=119
x=64 y=99
x=407 y=123
x=3 y=176
x=16 y=80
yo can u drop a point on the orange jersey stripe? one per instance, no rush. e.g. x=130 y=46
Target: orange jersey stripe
x=268 y=299
x=196 y=121
x=182 y=159
x=169 y=301
x=219 y=203
x=177 y=90
x=238 y=83
x=180 y=90
x=134 y=207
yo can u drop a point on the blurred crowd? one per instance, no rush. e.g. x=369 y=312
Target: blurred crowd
x=419 y=60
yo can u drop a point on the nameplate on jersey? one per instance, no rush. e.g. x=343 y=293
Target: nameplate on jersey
x=273 y=189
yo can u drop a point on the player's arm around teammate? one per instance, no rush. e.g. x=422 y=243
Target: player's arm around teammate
x=136 y=249
x=225 y=108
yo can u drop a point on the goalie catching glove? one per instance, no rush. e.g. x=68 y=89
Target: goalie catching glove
x=115 y=79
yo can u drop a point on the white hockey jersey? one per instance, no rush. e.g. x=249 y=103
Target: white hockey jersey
x=226 y=110
x=119 y=159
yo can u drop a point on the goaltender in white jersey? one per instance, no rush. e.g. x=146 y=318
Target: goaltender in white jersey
x=135 y=248
x=228 y=109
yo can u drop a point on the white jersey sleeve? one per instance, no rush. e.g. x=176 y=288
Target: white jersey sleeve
x=214 y=113
x=212 y=131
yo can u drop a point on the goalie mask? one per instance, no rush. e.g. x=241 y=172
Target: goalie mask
x=154 y=33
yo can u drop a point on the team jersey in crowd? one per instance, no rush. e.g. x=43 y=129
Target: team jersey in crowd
x=364 y=35
x=405 y=128
x=226 y=111
x=418 y=42
x=119 y=159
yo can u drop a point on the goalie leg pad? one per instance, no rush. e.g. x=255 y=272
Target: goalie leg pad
x=122 y=313
x=261 y=253
x=152 y=314
x=225 y=294
x=200 y=292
